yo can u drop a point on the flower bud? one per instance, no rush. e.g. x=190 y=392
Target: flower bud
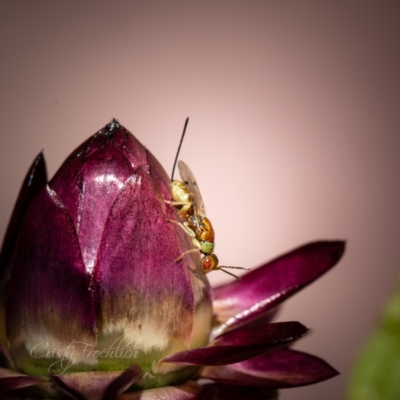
x=94 y=285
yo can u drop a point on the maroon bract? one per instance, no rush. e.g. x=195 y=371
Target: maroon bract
x=95 y=307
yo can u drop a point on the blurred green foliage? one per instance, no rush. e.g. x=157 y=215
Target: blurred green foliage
x=376 y=375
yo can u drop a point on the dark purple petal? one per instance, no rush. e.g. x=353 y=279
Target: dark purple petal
x=50 y=305
x=241 y=344
x=226 y=392
x=91 y=178
x=145 y=299
x=35 y=179
x=123 y=382
x=89 y=385
x=12 y=380
x=240 y=302
x=265 y=319
x=104 y=174
x=188 y=391
x=112 y=155
x=279 y=368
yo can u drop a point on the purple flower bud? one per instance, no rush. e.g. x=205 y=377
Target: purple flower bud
x=95 y=305
x=94 y=285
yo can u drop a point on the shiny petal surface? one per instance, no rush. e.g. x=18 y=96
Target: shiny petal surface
x=259 y=291
x=12 y=380
x=188 y=391
x=91 y=178
x=241 y=344
x=145 y=299
x=50 y=312
x=279 y=368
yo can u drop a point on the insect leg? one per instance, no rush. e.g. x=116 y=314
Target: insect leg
x=184 y=210
x=185 y=227
x=186 y=252
x=176 y=203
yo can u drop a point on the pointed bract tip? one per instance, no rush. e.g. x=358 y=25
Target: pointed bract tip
x=340 y=248
x=112 y=126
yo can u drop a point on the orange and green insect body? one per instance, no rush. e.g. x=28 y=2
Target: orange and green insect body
x=185 y=195
x=204 y=233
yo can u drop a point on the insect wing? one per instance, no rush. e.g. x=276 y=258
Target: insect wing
x=191 y=184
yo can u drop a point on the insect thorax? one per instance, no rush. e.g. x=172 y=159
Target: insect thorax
x=207 y=247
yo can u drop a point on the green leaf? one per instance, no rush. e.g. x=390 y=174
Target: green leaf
x=376 y=375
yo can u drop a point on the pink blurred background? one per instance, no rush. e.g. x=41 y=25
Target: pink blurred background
x=293 y=134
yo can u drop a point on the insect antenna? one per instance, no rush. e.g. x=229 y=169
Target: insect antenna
x=229 y=273
x=179 y=148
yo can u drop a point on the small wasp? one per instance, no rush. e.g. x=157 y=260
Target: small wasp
x=186 y=196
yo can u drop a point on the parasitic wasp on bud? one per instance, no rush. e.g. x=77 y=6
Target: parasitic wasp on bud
x=186 y=197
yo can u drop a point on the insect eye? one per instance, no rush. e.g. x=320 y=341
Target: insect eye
x=208 y=263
